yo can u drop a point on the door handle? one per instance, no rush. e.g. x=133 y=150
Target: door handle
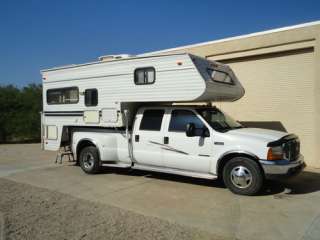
x=136 y=138
x=166 y=140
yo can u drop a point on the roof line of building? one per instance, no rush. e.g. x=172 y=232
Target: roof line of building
x=308 y=24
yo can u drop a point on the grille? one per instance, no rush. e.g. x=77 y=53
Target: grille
x=292 y=149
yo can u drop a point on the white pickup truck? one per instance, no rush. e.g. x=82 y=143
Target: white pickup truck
x=193 y=141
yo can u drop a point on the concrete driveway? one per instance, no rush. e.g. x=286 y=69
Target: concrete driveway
x=286 y=210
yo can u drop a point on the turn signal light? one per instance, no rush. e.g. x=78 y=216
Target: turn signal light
x=275 y=153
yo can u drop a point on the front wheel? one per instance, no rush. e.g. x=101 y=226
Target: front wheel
x=243 y=176
x=89 y=160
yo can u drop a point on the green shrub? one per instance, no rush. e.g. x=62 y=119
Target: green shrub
x=19 y=113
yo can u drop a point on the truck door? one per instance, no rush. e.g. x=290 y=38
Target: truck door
x=148 y=137
x=183 y=152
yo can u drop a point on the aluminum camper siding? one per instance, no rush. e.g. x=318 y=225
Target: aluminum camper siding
x=179 y=78
x=115 y=81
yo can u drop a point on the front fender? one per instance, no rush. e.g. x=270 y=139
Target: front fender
x=225 y=156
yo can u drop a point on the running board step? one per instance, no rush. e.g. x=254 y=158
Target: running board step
x=117 y=165
x=173 y=171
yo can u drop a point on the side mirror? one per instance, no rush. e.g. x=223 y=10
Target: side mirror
x=190 y=130
x=206 y=132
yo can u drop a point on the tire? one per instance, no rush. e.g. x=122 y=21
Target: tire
x=243 y=176
x=89 y=160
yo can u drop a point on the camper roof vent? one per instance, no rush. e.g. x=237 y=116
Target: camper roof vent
x=114 y=57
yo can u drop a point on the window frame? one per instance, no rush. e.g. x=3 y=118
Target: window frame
x=152 y=130
x=145 y=70
x=227 y=74
x=62 y=89
x=90 y=89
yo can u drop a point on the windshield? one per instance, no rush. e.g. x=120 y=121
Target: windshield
x=219 y=120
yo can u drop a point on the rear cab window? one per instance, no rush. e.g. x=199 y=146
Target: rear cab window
x=152 y=120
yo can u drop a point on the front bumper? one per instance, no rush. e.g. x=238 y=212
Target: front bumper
x=282 y=168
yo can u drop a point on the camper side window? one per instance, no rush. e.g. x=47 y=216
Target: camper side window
x=218 y=76
x=63 y=95
x=91 y=97
x=144 y=76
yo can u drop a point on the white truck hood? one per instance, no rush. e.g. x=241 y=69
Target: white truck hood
x=258 y=133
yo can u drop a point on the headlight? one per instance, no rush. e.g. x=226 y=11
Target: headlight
x=275 y=153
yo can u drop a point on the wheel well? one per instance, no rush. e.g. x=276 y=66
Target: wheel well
x=223 y=161
x=82 y=144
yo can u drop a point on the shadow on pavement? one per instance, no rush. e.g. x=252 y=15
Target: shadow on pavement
x=188 y=180
x=306 y=182
x=163 y=176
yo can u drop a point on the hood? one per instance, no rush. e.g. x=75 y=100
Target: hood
x=258 y=133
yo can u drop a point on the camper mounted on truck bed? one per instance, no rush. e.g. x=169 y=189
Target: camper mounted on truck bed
x=128 y=112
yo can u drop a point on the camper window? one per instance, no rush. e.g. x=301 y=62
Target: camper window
x=152 y=120
x=218 y=76
x=63 y=95
x=91 y=97
x=144 y=76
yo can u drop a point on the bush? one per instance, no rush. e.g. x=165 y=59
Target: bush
x=19 y=113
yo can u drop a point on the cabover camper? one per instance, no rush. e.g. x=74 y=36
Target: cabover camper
x=145 y=113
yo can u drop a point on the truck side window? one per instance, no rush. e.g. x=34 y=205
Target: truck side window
x=144 y=76
x=91 y=97
x=152 y=120
x=180 y=119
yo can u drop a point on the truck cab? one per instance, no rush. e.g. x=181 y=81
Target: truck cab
x=201 y=141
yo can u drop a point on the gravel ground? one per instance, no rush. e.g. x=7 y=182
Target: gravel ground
x=28 y=212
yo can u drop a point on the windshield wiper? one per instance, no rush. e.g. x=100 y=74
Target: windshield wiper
x=223 y=129
x=226 y=129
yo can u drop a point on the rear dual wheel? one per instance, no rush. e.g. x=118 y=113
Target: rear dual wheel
x=89 y=160
x=243 y=176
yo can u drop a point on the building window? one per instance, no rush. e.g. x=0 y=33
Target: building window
x=152 y=120
x=91 y=97
x=219 y=76
x=180 y=119
x=68 y=95
x=144 y=76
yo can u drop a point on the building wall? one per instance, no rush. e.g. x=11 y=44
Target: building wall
x=280 y=71
x=276 y=87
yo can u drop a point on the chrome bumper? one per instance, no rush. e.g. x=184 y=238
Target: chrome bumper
x=282 y=168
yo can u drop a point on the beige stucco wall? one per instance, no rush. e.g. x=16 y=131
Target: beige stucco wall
x=276 y=87
x=281 y=74
x=317 y=96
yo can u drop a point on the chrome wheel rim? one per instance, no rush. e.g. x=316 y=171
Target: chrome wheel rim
x=241 y=177
x=88 y=160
